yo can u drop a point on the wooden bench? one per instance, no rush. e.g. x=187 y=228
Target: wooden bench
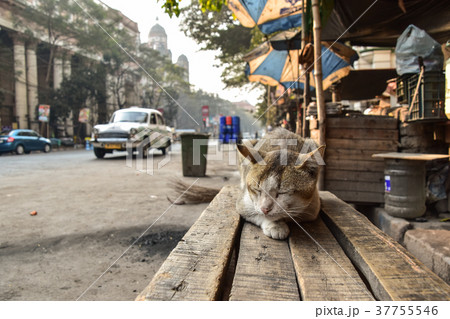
x=340 y=256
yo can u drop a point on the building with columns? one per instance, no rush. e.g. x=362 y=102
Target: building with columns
x=29 y=72
x=24 y=57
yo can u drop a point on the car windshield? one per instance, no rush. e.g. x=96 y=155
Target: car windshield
x=135 y=117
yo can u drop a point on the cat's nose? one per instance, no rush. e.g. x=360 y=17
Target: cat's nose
x=266 y=210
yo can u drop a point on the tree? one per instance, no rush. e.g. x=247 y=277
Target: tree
x=61 y=23
x=86 y=84
x=218 y=31
x=173 y=6
x=165 y=85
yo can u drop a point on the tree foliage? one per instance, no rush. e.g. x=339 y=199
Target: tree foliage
x=218 y=31
x=61 y=23
x=86 y=84
x=172 y=7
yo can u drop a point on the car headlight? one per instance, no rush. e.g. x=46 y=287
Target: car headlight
x=133 y=132
x=95 y=133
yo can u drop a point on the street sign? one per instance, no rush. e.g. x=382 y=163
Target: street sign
x=205 y=110
x=84 y=115
x=44 y=113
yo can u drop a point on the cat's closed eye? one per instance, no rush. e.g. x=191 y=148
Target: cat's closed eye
x=282 y=193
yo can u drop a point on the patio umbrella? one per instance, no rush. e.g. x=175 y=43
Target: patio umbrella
x=269 y=15
x=270 y=66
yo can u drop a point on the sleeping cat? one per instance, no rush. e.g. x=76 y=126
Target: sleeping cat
x=279 y=181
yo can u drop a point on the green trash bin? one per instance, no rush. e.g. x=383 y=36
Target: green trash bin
x=194 y=147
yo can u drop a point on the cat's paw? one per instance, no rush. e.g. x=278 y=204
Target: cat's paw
x=276 y=230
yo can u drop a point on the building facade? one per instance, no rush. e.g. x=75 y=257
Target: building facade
x=29 y=70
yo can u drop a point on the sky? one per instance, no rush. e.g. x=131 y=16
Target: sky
x=202 y=73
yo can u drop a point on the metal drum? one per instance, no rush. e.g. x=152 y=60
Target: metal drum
x=404 y=188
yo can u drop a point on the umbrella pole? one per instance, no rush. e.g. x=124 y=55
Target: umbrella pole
x=320 y=100
x=306 y=97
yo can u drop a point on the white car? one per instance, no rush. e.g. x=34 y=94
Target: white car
x=129 y=130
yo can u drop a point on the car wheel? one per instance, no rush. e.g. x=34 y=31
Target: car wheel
x=99 y=152
x=20 y=150
x=47 y=148
x=163 y=150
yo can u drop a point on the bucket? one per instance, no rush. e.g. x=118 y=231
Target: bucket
x=194 y=147
x=404 y=188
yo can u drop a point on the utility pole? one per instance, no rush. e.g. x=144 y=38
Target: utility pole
x=306 y=90
x=320 y=100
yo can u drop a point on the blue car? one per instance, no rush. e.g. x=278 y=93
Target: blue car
x=23 y=141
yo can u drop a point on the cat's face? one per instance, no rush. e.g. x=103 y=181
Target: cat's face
x=279 y=190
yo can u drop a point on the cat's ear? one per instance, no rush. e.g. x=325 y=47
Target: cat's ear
x=318 y=154
x=252 y=154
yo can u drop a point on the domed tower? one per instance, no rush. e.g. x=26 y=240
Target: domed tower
x=157 y=40
x=184 y=63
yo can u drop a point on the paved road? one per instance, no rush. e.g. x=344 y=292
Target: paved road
x=89 y=213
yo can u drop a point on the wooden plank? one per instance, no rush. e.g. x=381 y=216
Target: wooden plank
x=362 y=144
x=340 y=175
x=355 y=165
x=363 y=133
x=359 y=197
x=264 y=270
x=323 y=270
x=368 y=122
x=411 y=156
x=354 y=186
x=392 y=272
x=351 y=154
x=196 y=268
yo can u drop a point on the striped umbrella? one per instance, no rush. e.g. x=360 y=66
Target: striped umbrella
x=273 y=67
x=269 y=15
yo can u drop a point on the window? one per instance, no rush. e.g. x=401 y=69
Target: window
x=160 y=119
x=153 y=119
x=134 y=117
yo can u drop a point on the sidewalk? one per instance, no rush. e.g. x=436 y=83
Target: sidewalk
x=428 y=240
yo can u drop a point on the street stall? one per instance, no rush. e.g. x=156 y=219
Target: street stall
x=217 y=258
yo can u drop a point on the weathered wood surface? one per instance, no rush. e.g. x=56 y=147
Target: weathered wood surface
x=392 y=272
x=196 y=268
x=359 y=197
x=351 y=154
x=323 y=270
x=363 y=133
x=376 y=145
x=340 y=175
x=355 y=165
x=365 y=122
x=264 y=270
x=355 y=186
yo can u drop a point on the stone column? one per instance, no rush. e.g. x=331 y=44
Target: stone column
x=67 y=67
x=20 y=72
x=32 y=85
x=67 y=71
x=57 y=71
